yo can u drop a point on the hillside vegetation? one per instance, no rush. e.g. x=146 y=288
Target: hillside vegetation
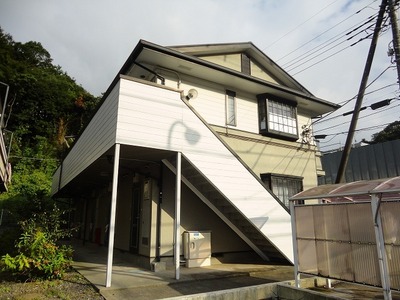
x=46 y=109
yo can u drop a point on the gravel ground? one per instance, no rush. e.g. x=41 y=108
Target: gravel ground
x=72 y=286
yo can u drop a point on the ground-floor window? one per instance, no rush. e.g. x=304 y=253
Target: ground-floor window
x=283 y=186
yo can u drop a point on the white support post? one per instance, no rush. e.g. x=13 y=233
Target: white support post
x=328 y=283
x=294 y=240
x=380 y=245
x=111 y=228
x=177 y=225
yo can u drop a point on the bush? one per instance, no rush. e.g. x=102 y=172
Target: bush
x=38 y=255
x=8 y=237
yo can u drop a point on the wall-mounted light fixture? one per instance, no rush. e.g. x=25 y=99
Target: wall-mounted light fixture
x=192 y=94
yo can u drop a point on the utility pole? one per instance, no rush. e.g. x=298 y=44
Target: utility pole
x=360 y=95
x=395 y=34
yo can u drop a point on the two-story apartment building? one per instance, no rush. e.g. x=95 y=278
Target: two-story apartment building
x=204 y=137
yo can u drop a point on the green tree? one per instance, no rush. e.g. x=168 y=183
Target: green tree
x=45 y=105
x=43 y=100
x=390 y=133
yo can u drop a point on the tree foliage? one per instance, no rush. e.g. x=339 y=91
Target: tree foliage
x=43 y=101
x=390 y=133
x=38 y=255
x=45 y=108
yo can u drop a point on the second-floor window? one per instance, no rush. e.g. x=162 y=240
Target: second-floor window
x=230 y=104
x=277 y=117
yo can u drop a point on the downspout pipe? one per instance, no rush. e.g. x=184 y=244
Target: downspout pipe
x=159 y=204
x=152 y=72
x=173 y=72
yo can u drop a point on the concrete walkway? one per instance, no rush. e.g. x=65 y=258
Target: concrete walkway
x=132 y=282
x=245 y=281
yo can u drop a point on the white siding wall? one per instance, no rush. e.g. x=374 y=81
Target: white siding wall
x=210 y=104
x=56 y=181
x=97 y=138
x=157 y=118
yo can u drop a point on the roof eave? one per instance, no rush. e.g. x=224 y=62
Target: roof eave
x=168 y=51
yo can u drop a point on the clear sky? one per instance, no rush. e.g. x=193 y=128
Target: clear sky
x=91 y=39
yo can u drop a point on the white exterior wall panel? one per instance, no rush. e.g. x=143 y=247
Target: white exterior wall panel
x=160 y=119
x=97 y=138
x=56 y=181
x=208 y=99
x=210 y=104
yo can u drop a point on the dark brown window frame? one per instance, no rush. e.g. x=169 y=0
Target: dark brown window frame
x=264 y=121
x=270 y=178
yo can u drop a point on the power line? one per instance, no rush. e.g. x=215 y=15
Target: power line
x=32 y=158
x=333 y=54
x=369 y=93
x=374 y=113
x=325 y=58
x=294 y=29
x=346 y=132
x=334 y=135
x=326 y=31
x=325 y=44
x=347 y=101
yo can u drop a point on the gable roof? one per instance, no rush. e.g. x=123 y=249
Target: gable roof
x=248 y=48
x=187 y=59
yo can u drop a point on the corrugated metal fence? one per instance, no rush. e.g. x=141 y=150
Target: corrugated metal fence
x=365 y=163
x=338 y=241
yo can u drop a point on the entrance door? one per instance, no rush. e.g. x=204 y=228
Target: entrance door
x=135 y=219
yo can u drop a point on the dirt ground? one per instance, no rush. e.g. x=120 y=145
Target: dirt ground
x=72 y=286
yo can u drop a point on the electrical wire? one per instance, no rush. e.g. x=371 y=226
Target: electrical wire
x=294 y=29
x=328 y=42
x=329 y=56
x=318 y=36
x=369 y=93
x=383 y=30
x=357 y=130
x=362 y=117
x=335 y=53
x=354 y=97
x=33 y=158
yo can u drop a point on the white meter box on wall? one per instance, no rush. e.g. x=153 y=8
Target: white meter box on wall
x=197 y=248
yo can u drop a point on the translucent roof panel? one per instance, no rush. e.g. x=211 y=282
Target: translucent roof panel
x=357 y=187
x=390 y=185
x=318 y=191
x=352 y=191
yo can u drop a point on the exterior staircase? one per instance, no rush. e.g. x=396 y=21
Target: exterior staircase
x=227 y=211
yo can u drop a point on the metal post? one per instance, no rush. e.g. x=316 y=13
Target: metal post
x=395 y=34
x=111 y=227
x=177 y=225
x=380 y=245
x=328 y=283
x=360 y=95
x=4 y=106
x=295 y=249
